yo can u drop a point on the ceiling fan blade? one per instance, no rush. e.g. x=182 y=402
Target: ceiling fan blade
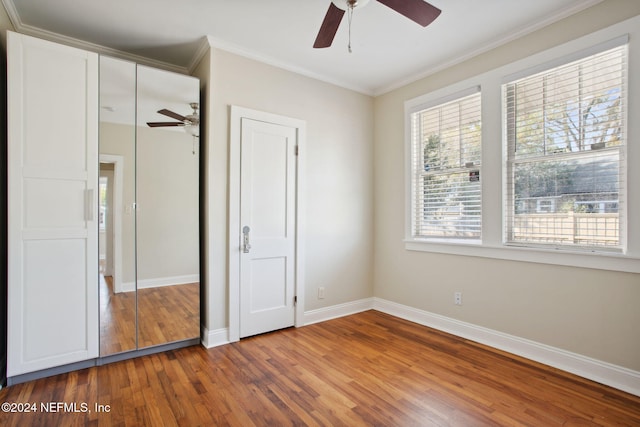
x=161 y=124
x=172 y=114
x=417 y=10
x=329 y=26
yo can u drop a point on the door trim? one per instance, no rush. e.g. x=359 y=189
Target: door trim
x=117 y=208
x=236 y=115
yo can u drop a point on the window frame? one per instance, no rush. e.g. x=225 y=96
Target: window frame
x=494 y=167
x=512 y=160
x=454 y=97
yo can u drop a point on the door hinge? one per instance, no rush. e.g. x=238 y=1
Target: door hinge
x=296 y=150
x=295 y=300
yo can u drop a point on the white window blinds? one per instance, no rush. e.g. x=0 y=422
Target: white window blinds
x=565 y=154
x=446 y=156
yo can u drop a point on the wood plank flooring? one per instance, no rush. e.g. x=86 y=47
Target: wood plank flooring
x=368 y=369
x=168 y=313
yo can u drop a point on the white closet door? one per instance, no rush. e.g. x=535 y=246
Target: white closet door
x=53 y=227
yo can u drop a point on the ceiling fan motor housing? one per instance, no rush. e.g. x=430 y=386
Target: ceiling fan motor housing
x=346 y=4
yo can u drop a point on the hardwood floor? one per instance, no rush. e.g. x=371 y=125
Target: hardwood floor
x=366 y=369
x=168 y=313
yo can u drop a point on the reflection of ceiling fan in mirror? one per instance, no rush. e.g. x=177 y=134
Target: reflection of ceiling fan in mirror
x=191 y=122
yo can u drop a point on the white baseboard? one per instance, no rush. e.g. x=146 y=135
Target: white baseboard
x=605 y=373
x=167 y=281
x=214 y=338
x=128 y=287
x=159 y=282
x=335 y=311
x=220 y=336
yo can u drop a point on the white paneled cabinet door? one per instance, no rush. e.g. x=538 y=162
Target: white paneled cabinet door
x=52 y=152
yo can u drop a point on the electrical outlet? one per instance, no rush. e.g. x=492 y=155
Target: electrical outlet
x=457 y=298
x=321 y=292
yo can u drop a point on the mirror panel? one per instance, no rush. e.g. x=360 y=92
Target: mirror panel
x=117 y=197
x=167 y=228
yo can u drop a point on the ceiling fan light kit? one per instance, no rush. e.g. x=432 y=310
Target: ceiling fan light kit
x=346 y=4
x=419 y=11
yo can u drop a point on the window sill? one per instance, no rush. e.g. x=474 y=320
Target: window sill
x=595 y=260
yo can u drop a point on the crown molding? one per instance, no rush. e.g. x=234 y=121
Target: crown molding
x=207 y=42
x=240 y=51
x=201 y=51
x=30 y=30
x=562 y=14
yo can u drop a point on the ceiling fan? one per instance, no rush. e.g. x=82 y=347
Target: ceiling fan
x=418 y=11
x=191 y=122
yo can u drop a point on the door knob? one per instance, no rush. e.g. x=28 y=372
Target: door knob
x=245 y=239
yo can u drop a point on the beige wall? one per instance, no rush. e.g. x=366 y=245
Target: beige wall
x=119 y=140
x=5 y=24
x=164 y=173
x=338 y=175
x=590 y=312
x=167 y=229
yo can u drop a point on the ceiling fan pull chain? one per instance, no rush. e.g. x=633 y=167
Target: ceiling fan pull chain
x=349 y=16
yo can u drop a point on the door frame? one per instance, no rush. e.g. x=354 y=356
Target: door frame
x=116 y=233
x=234 y=235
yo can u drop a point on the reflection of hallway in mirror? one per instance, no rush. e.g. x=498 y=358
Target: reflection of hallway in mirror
x=168 y=313
x=117 y=319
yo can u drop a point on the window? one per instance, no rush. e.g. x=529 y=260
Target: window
x=566 y=139
x=103 y=185
x=446 y=159
x=554 y=182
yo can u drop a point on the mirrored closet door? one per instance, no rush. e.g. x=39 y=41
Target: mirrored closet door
x=116 y=196
x=167 y=178
x=149 y=207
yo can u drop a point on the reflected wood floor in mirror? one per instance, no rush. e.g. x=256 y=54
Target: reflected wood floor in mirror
x=117 y=319
x=165 y=314
x=361 y=370
x=168 y=313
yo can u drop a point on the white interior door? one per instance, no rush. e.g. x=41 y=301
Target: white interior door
x=267 y=226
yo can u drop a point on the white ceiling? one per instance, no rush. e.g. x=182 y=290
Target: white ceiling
x=388 y=49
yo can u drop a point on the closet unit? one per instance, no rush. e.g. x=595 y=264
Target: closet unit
x=103 y=209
